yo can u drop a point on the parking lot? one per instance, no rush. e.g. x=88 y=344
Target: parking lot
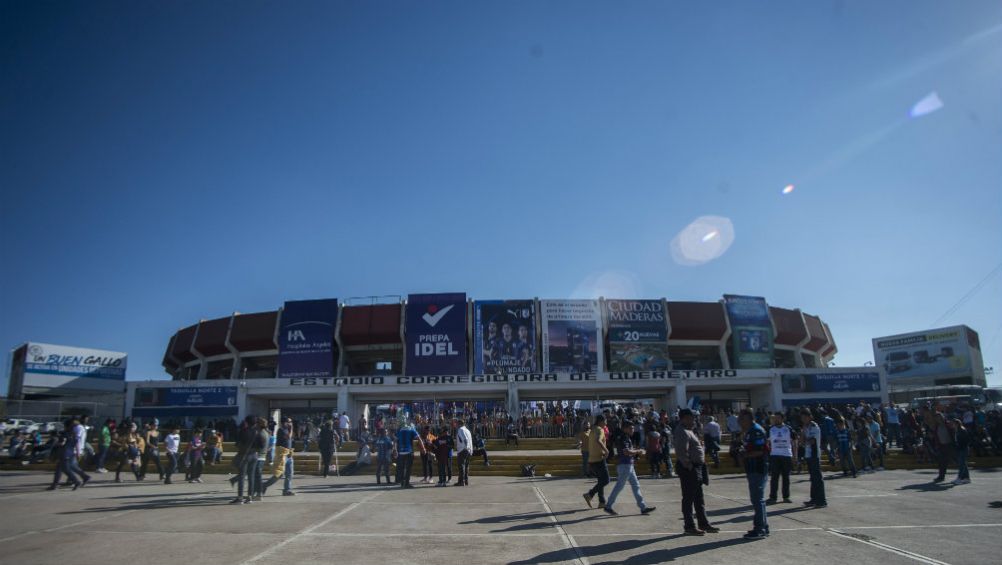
x=891 y=517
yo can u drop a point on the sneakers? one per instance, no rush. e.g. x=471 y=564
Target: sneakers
x=755 y=535
x=588 y=498
x=648 y=510
x=770 y=500
x=709 y=529
x=939 y=479
x=693 y=532
x=961 y=481
x=610 y=511
x=809 y=503
x=288 y=493
x=237 y=500
x=198 y=480
x=256 y=498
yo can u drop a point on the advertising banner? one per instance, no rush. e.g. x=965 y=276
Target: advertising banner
x=504 y=337
x=185 y=401
x=638 y=335
x=939 y=352
x=187 y=396
x=436 y=334
x=306 y=339
x=572 y=330
x=751 y=331
x=48 y=366
x=832 y=382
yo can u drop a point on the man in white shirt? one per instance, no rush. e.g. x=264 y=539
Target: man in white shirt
x=780 y=457
x=893 y=425
x=464 y=449
x=711 y=437
x=172 y=443
x=344 y=423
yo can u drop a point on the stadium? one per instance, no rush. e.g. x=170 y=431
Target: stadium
x=317 y=356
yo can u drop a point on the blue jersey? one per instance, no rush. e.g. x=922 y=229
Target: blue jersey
x=384 y=447
x=405 y=440
x=755 y=440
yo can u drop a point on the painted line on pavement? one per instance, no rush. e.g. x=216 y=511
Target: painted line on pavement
x=306 y=531
x=568 y=540
x=64 y=526
x=889 y=548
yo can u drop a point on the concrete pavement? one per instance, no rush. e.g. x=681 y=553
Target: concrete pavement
x=891 y=517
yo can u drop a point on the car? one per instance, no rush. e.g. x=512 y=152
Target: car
x=897 y=361
x=19 y=424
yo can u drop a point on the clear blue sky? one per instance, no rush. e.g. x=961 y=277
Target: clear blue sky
x=162 y=164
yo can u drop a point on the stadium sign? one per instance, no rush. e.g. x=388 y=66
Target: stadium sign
x=404 y=380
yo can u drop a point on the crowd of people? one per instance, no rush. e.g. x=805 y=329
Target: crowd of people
x=769 y=447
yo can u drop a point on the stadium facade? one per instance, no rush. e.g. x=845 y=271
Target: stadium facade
x=318 y=356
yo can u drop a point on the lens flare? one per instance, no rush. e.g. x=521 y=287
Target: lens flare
x=702 y=241
x=788 y=189
x=926 y=106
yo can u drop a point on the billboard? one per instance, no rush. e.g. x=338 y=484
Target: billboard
x=638 y=335
x=306 y=339
x=832 y=382
x=436 y=334
x=504 y=337
x=943 y=352
x=49 y=367
x=185 y=401
x=751 y=331
x=572 y=330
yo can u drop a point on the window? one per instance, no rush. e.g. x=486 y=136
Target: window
x=259 y=367
x=688 y=357
x=219 y=369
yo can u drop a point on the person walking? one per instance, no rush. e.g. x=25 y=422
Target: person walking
x=754 y=452
x=327 y=442
x=464 y=450
x=598 y=453
x=691 y=468
x=780 y=457
x=172 y=443
x=344 y=422
x=66 y=447
x=103 y=445
x=283 y=465
x=384 y=455
x=943 y=437
x=812 y=453
x=151 y=435
x=259 y=452
x=961 y=443
x=626 y=455
x=129 y=446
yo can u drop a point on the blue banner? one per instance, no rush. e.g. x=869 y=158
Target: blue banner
x=832 y=382
x=504 y=337
x=751 y=331
x=306 y=339
x=436 y=334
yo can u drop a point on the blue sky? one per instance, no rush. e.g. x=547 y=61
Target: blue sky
x=163 y=164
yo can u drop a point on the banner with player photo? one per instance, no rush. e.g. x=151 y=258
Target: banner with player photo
x=504 y=337
x=638 y=335
x=751 y=331
x=571 y=336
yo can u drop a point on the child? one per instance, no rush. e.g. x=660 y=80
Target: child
x=654 y=454
x=195 y=448
x=845 y=448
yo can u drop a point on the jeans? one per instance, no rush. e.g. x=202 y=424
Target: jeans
x=864 y=453
x=817 y=481
x=426 y=466
x=257 y=485
x=248 y=469
x=625 y=472
x=464 y=467
x=404 y=463
x=654 y=459
x=962 y=471
x=154 y=456
x=893 y=434
x=779 y=467
x=756 y=492
x=845 y=456
x=171 y=464
x=197 y=463
x=692 y=497
x=102 y=455
x=325 y=462
x=443 y=468
x=945 y=455
x=601 y=472
x=63 y=466
x=584 y=464
x=289 y=467
x=383 y=469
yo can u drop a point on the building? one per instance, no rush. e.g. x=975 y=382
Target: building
x=48 y=382
x=315 y=357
